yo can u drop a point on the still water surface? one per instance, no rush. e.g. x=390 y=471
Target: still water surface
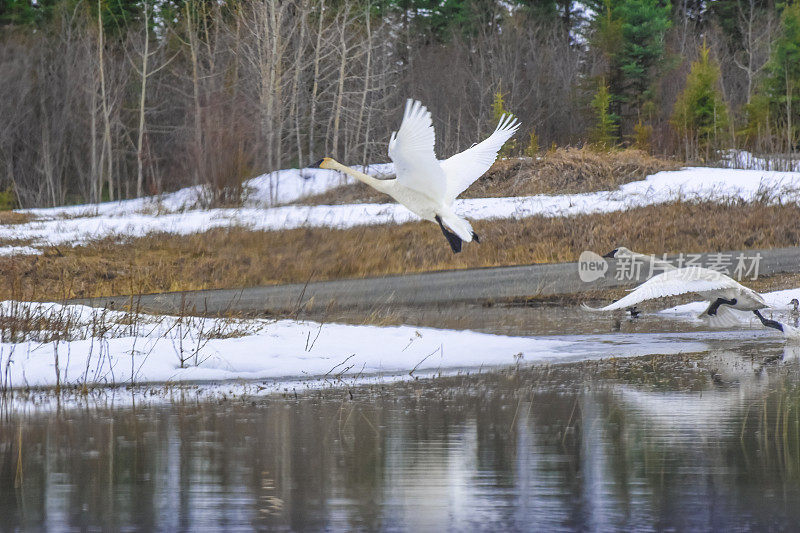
x=667 y=443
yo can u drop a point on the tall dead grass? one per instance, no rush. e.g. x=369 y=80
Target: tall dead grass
x=14 y=217
x=561 y=171
x=238 y=257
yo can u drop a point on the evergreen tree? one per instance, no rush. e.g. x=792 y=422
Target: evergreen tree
x=532 y=150
x=631 y=36
x=17 y=12
x=498 y=110
x=701 y=115
x=782 y=84
x=547 y=12
x=642 y=136
x=117 y=14
x=604 y=133
x=440 y=19
x=643 y=28
x=759 y=128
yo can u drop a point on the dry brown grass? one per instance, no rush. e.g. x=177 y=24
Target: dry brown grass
x=561 y=171
x=239 y=258
x=14 y=217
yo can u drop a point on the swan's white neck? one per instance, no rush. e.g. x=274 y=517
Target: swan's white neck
x=379 y=185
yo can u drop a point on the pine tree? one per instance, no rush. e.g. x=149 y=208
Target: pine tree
x=631 y=36
x=532 y=150
x=701 y=115
x=782 y=84
x=117 y=14
x=604 y=133
x=642 y=136
x=498 y=110
x=17 y=12
x=759 y=128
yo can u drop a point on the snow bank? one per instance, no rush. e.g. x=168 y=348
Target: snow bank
x=267 y=190
x=149 y=348
x=128 y=220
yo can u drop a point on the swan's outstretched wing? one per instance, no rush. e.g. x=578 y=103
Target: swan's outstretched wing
x=673 y=283
x=464 y=168
x=411 y=149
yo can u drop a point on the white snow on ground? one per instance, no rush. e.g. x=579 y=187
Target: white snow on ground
x=267 y=190
x=18 y=250
x=744 y=159
x=129 y=220
x=215 y=349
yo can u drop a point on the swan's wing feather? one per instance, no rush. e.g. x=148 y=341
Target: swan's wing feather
x=411 y=150
x=725 y=318
x=674 y=283
x=464 y=168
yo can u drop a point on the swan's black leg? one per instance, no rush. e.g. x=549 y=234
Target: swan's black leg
x=767 y=322
x=475 y=236
x=712 y=309
x=634 y=312
x=452 y=238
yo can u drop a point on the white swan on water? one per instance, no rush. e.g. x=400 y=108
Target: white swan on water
x=426 y=185
x=723 y=292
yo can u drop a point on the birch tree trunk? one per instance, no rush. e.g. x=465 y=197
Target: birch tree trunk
x=315 y=86
x=142 y=99
x=337 y=110
x=106 y=149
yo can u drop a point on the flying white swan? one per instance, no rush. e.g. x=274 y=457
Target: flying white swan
x=426 y=185
x=723 y=292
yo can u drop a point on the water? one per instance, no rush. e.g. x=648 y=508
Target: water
x=680 y=442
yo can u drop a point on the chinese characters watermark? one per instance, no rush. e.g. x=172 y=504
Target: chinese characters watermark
x=740 y=265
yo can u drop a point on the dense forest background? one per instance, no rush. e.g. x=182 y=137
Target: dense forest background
x=110 y=99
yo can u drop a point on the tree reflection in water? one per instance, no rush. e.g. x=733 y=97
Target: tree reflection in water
x=714 y=447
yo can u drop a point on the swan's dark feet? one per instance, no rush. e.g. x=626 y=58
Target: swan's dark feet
x=712 y=309
x=634 y=312
x=476 y=238
x=767 y=322
x=452 y=238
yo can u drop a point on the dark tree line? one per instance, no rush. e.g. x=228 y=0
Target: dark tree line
x=114 y=99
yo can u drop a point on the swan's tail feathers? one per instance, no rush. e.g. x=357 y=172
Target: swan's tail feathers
x=725 y=317
x=458 y=225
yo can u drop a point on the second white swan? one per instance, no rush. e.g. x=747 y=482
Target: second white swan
x=723 y=292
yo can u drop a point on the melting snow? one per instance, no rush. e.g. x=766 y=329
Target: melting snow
x=150 y=348
x=139 y=217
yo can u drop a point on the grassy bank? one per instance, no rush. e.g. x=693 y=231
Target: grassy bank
x=561 y=171
x=237 y=257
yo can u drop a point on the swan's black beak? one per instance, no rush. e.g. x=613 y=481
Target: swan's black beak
x=611 y=254
x=318 y=164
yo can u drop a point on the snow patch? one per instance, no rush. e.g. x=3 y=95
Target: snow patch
x=128 y=219
x=744 y=159
x=266 y=190
x=149 y=349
